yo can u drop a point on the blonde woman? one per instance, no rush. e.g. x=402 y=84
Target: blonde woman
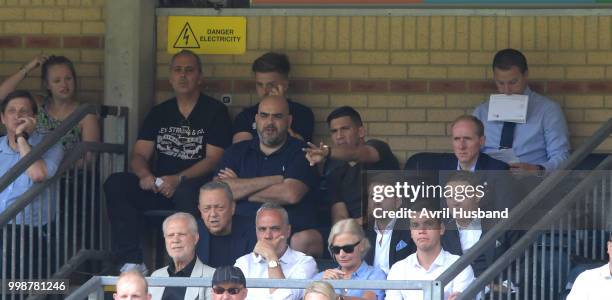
x=320 y=290
x=348 y=246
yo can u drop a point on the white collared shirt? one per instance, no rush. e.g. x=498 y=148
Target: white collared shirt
x=295 y=265
x=470 y=235
x=592 y=284
x=381 y=249
x=410 y=269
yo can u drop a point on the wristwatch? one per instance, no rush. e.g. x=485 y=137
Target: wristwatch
x=272 y=264
x=182 y=178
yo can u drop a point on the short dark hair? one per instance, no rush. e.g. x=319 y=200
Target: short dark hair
x=190 y=53
x=470 y=118
x=508 y=58
x=345 y=111
x=427 y=204
x=19 y=94
x=272 y=62
x=57 y=60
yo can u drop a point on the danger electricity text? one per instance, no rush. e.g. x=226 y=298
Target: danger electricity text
x=220 y=35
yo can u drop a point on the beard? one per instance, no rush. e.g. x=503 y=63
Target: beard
x=274 y=138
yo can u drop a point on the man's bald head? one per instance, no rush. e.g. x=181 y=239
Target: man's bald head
x=276 y=101
x=132 y=285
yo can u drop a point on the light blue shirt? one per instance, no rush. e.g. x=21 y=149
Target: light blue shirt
x=364 y=272
x=8 y=158
x=542 y=140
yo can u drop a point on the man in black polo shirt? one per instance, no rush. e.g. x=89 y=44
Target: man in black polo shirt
x=186 y=135
x=272 y=168
x=272 y=77
x=350 y=154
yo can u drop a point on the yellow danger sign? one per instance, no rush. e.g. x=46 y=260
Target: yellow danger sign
x=207 y=35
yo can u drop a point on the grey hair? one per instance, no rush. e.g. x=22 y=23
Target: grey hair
x=321 y=287
x=191 y=222
x=273 y=206
x=218 y=185
x=349 y=226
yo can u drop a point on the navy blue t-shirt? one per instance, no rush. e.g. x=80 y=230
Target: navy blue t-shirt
x=181 y=142
x=247 y=161
x=303 y=120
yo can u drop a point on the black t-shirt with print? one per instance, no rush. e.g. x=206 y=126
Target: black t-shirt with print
x=181 y=142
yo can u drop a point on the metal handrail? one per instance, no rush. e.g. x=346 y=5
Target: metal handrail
x=53 y=138
x=531 y=200
x=429 y=287
x=74 y=155
x=519 y=247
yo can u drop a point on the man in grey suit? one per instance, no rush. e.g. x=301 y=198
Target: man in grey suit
x=181 y=235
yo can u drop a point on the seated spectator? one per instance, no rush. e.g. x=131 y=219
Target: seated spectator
x=430 y=260
x=228 y=283
x=390 y=237
x=272 y=168
x=186 y=136
x=60 y=82
x=467 y=133
x=320 y=290
x=18 y=116
x=272 y=258
x=224 y=237
x=542 y=143
x=272 y=78
x=596 y=283
x=350 y=155
x=131 y=285
x=18 y=111
x=462 y=233
x=347 y=246
x=181 y=236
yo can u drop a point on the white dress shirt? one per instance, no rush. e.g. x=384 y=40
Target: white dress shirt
x=594 y=284
x=470 y=235
x=295 y=265
x=410 y=269
x=381 y=249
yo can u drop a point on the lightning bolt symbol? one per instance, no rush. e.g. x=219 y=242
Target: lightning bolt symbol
x=186 y=36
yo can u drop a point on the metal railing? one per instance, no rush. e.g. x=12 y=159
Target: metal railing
x=58 y=224
x=532 y=200
x=93 y=289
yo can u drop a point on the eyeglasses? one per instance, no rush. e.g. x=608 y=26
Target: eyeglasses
x=220 y=290
x=345 y=248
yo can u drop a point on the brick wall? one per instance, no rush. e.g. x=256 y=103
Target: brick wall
x=410 y=75
x=73 y=28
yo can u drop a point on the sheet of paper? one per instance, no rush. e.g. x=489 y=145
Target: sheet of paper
x=508 y=108
x=506 y=155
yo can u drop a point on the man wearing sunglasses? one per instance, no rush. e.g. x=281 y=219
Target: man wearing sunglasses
x=228 y=283
x=272 y=258
x=430 y=260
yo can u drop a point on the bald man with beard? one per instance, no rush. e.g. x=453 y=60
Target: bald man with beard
x=272 y=168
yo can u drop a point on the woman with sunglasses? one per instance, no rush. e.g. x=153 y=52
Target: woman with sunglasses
x=348 y=247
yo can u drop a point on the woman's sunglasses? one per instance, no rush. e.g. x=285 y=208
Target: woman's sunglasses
x=232 y=291
x=345 y=248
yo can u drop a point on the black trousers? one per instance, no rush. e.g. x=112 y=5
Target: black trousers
x=127 y=203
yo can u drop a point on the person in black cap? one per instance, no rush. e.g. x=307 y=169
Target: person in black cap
x=228 y=283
